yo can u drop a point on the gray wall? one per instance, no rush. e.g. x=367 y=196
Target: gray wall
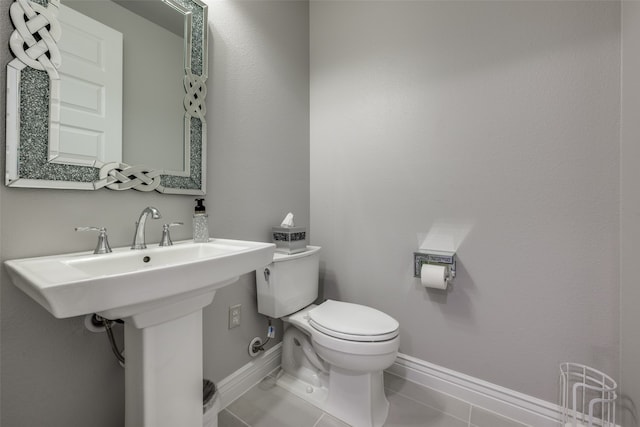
x=258 y=110
x=491 y=127
x=54 y=372
x=629 y=213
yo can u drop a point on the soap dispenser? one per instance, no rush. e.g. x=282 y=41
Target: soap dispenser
x=200 y=223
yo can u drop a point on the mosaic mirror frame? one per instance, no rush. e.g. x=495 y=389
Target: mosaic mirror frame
x=33 y=110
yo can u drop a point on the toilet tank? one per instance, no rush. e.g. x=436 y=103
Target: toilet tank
x=289 y=283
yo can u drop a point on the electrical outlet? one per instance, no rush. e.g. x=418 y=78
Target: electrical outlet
x=234 y=315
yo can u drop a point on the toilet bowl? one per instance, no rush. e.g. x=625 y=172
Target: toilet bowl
x=332 y=327
x=337 y=350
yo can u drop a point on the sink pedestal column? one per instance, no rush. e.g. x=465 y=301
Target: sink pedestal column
x=163 y=373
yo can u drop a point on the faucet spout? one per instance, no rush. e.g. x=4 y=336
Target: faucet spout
x=138 y=237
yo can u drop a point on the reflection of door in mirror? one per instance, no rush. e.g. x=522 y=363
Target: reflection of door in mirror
x=90 y=91
x=153 y=90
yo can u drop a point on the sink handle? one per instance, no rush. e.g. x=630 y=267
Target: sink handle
x=166 y=237
x=103 y=242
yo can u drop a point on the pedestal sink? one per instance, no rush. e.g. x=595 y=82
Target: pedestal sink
x=159 y=292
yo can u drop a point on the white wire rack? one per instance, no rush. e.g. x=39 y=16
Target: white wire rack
x=588 y=397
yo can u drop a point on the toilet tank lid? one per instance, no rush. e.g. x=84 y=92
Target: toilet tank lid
x=353 y=319
x=277 y=256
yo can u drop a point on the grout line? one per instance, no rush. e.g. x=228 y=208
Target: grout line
x=499 y=415
x=431 y=407
x=237 y=417
x=318 y=420
x=470 y=409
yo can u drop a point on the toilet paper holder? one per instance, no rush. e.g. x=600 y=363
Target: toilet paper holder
x=429 y=256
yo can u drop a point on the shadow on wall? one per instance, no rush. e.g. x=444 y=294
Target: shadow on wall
x=628 y=411
x=456 y=303
x=327 y=284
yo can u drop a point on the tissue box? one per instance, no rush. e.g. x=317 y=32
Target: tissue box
x=289 y=240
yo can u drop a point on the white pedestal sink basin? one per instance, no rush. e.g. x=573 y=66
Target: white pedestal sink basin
x=159 y=292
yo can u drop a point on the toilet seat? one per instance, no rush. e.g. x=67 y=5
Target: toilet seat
x=352 y=322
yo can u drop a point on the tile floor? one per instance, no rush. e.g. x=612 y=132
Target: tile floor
x=411 y=405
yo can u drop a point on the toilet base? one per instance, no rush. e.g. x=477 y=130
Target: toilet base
x=357 y=399
x=346 y=400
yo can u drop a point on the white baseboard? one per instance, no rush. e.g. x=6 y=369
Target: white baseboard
x=236 y=384
x=509 y=403
x=512 y=404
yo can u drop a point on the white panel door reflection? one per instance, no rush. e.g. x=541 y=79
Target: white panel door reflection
x=90 y=91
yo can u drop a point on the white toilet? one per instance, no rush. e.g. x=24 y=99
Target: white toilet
x=336 y=350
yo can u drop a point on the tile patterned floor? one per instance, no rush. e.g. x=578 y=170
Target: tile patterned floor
x=411 y=405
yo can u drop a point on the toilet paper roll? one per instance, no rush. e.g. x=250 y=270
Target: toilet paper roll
x=433 y=276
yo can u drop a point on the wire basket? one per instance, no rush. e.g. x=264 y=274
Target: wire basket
x=588 y=397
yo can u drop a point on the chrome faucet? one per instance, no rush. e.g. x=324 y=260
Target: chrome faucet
x=138 y=238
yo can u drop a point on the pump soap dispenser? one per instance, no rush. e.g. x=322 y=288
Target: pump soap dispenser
x=200 y=223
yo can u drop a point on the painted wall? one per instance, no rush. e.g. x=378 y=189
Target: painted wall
x=629 y=213
x=54 y=372
x=488 y=127
x=258 y=107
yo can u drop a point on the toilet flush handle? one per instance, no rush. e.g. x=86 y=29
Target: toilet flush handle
x=267 y=273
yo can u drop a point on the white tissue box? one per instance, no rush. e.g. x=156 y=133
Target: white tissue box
x=289 y=240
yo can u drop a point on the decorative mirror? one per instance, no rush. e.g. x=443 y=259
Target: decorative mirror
x=71 y=126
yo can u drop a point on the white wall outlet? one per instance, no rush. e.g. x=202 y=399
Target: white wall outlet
x=234 y=315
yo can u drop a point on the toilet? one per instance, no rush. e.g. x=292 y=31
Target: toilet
x=333 y=354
